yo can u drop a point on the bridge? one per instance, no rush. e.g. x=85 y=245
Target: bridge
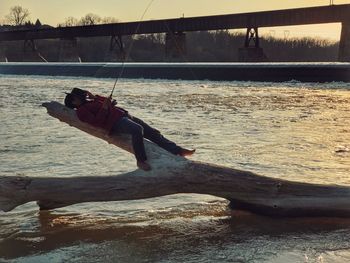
x=175 y=29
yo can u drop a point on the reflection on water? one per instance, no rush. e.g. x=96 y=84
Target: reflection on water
x=180 y=237
x=190 y=233
x=289 y=130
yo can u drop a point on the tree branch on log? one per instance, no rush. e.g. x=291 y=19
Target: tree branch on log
x=172 y=174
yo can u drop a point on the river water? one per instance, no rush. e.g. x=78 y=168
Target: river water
x=294 y=131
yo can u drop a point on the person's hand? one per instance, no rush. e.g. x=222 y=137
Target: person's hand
x=90 y=95
x=114 y=102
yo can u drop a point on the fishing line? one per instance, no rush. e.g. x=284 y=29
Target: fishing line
x=130 y=48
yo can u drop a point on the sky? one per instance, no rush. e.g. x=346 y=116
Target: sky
x=55 y=11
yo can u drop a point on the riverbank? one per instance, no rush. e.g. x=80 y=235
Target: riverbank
x=274 y=72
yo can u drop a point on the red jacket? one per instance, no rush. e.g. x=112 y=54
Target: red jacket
x=93 y=113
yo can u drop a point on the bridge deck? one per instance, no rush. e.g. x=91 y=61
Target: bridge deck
x=300 y=16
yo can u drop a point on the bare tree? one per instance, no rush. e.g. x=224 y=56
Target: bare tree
x=69 y=21
x=18 y=15
x=109 y=20
x=158 y=38
x=90 y=19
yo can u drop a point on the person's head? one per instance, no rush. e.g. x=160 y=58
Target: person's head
x=75 y=98
x=79 y=93
x=72 y=101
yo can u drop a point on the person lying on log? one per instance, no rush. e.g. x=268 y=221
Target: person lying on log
x=102 y=112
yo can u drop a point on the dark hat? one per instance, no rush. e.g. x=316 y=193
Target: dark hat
x=76 y=92
x=79 y=93
x=68 y=101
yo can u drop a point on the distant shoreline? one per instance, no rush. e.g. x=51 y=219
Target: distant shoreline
x=272 y=72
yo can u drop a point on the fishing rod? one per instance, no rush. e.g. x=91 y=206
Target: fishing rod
x=130 y=48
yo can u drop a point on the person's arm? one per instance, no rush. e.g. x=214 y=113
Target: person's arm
x=85 y=115
x=107 y=103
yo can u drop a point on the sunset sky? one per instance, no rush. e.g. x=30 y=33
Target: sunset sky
x=55 y=11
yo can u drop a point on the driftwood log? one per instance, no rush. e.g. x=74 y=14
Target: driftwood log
x=172 y=174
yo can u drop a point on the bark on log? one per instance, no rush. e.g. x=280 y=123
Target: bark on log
x=172 y=174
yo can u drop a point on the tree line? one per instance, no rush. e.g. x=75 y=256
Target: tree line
x=205 y=46
x=19 y=17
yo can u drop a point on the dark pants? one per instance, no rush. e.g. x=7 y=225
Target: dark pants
x=138 y=130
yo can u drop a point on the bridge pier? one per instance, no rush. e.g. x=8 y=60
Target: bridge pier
x=3 y=57
x=175 y=46
x=69 y=50
x=116 y=51
x=344 y=44
x=252 y=52
x=30 y=52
